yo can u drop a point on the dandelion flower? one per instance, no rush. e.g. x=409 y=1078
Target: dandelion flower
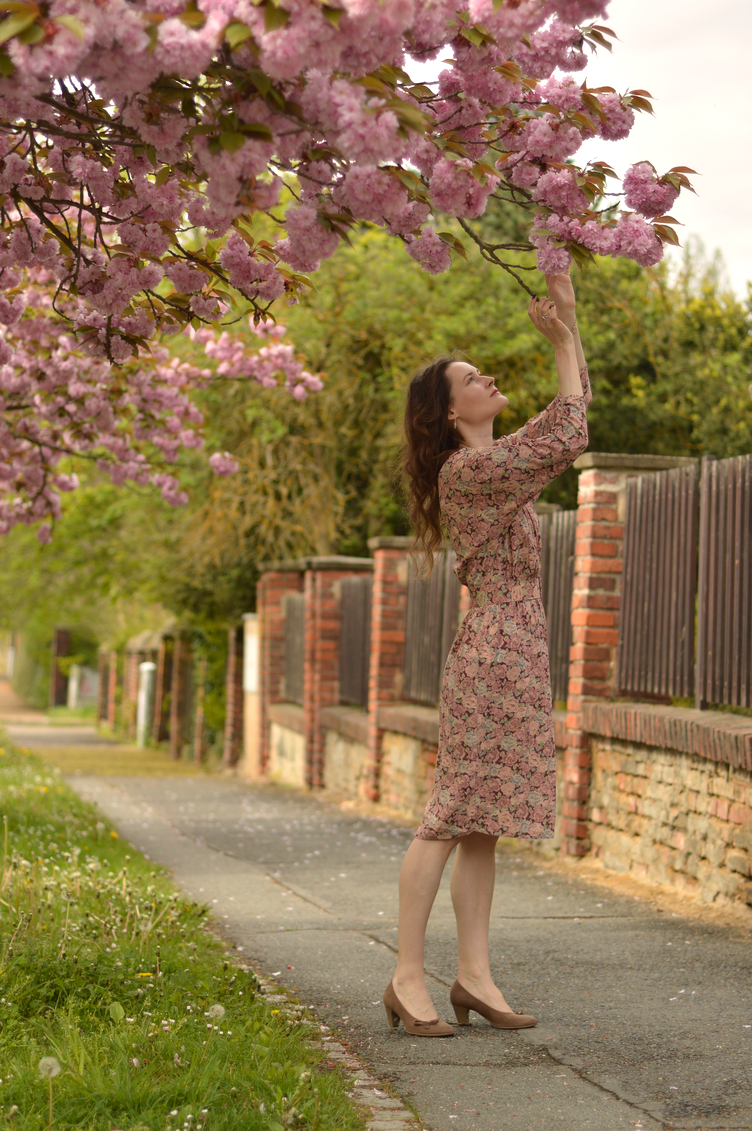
x=215 y=1011
x=49 y=1066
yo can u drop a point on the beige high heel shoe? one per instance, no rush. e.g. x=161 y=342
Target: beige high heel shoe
x=396 y=1012
x=463 y=1001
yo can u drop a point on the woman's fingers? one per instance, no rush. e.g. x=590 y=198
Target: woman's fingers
x=541 y=310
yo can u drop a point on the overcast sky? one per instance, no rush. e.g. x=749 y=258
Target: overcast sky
x=695 y=58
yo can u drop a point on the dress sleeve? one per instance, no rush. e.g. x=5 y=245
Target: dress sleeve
x=540 y=425
x=516 y=468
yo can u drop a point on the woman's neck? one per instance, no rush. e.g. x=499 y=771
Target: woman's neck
x=480 y=436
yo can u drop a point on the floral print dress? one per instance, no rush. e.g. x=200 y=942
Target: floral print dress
x=496 y=766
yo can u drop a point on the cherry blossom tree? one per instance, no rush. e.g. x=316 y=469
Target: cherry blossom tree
x=132 y=419
x=139 y=139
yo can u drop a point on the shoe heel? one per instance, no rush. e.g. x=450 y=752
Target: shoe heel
x=462 y=1013
x=392 y=1017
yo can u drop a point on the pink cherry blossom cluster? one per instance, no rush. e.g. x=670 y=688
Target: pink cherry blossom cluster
x=139 y=138
x=132 y=420
x=128 y=128
x=236 y=361
x=645 y=193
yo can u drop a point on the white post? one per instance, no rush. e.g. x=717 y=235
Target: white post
x=250 y=765
x=146 y=680
x=74 y=684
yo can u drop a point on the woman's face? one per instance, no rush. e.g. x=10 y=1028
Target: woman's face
x=473 y=399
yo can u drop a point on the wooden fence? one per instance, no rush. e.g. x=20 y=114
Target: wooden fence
x=354 y=639
x=431 y=623
x=294 y=647
x=656 y=628
x=687 y=562
x=724 y=621
x=557 y=581
x=433 y=612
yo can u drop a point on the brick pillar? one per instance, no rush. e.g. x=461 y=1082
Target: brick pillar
x=596 y=601
x=199 y=734
x=162 y=686
x=181 y=657
x=277 y=579
x=130 y=693
x=322 y=628
x=104 y=684
x=387 y=641
x=234 y=698
x=112 y=676
x=58 y=681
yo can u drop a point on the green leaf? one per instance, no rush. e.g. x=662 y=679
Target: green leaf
x=72 y=24
x=192 y=17
x=260 y=80
x=256 y=130
x=333 y=15
x=451 y=241
x=117 y=1013
x=162 y=176
x=274 y=17
x=237 y=33
x=666 y=234
x=17 y=23
x=6 y=67
x=31 y=35
x=420 y=90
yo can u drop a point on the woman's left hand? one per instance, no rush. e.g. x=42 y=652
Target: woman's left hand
x=561 y=291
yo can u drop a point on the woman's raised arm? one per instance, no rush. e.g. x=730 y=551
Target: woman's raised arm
x=544 y=317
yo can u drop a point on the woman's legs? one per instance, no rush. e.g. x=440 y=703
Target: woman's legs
x=420 y=877
x=472 y=887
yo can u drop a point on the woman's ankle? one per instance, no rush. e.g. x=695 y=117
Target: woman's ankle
x=470 y=979
x=409 y=977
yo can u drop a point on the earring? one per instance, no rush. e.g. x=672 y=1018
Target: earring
x=455 y=423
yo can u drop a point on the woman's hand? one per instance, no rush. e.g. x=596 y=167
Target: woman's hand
x=561 y=292
x=544 y=316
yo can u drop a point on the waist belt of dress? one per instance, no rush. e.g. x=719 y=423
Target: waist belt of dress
x=503 y=591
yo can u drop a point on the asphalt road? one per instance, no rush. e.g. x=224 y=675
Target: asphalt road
x=645 y=1018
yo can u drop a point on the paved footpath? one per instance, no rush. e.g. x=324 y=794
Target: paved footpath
x=645 y=1018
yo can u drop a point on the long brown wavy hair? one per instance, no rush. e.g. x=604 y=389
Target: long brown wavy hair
x=429 y=441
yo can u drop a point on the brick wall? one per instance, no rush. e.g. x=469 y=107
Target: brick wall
x=274 y=583
x=388 y=612
x=596 y=600
x=678 y=811
x=182 y=661
x=162 y=688
x=233 y=699
x=319 y=579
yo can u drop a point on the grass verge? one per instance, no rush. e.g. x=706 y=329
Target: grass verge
x=108 y=972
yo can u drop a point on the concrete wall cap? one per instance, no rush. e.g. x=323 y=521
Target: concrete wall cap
x=288 y=715
x=289 y=564
x=340 y=561
x=351 y=722
x=628 y=462
x=393 y=543
x=717 y=736
x=300 y=565
x=410 y=718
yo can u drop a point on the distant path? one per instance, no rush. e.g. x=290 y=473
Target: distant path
x=645 y=1017
x=75 y=746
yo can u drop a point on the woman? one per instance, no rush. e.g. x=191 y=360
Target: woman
x=495 y=771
